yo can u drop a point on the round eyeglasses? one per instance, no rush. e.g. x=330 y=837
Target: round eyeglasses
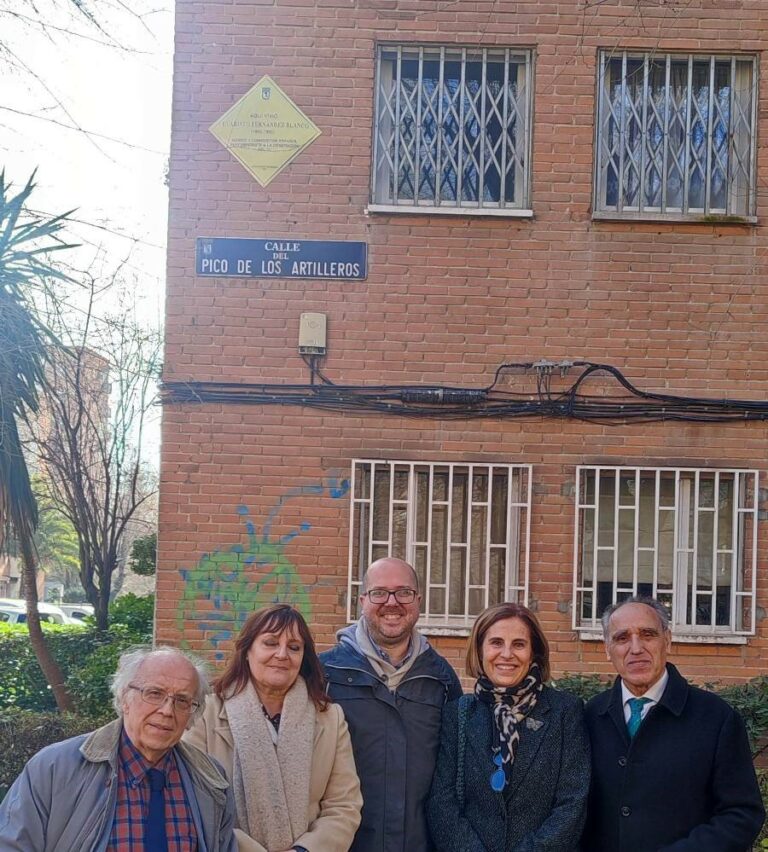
x=382 y=596
x=158 y=697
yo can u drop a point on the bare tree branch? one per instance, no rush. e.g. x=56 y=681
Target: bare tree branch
x=90 y=439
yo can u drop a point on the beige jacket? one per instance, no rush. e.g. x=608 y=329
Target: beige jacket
x=334 y=791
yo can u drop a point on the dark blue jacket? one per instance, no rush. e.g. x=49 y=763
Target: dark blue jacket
x=685 y=783
x=544 y=805
x=395 y=738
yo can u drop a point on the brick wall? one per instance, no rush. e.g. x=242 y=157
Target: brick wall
x=679 y=308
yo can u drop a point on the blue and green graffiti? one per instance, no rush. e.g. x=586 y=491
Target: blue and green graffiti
x=225 y=586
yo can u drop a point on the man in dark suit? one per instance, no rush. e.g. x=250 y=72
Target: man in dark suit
x=671 y=765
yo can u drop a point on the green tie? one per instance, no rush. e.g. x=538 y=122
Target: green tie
x=636 y=714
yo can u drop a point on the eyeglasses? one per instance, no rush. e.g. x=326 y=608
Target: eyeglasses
x=382 y=596
x=158 y=697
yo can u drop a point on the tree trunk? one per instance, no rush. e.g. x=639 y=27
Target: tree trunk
x=101 y=612
x=96 y=596
x=50 y=667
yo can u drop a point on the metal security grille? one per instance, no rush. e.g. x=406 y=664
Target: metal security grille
x=685 y=536
x=463 y=527
x=452 y=128
x=676 y=134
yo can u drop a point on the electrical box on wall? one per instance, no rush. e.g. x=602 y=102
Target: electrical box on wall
x=312 y=334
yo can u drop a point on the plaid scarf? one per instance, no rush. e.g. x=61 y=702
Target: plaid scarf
x=510 y=704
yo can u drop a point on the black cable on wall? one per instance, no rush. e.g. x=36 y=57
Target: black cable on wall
x=443 y=402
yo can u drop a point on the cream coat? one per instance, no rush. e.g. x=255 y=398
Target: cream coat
x=334 y=788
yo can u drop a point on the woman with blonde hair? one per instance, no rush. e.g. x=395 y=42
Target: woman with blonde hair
x=284 y=746
x=513 y=767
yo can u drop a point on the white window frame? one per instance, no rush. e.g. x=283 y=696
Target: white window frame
x=742 y=551
x=394 y=153
x=516 y=547
x=655 y=159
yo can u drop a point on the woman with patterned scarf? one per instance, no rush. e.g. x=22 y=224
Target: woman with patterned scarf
x=513 y=768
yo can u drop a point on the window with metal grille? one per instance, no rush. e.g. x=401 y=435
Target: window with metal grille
x=463 y=527
x=685 y=536
x=675 y=135
x=452 y=130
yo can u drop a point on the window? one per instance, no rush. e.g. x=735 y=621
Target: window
x=686 y=536
x=464 y=528
x=675 y=135
x=452 y=130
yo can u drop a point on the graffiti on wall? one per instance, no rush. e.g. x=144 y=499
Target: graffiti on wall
x=226 y=585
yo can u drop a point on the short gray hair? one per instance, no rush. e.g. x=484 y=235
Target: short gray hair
x=658 y=607
x=132 y=660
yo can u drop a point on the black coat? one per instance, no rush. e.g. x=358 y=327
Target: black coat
x=685 y=783
x=543 y=806
x=394 y=739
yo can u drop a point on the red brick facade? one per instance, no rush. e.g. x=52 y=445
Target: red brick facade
x=679 y=308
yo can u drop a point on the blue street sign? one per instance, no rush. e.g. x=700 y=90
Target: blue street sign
x=280 y=257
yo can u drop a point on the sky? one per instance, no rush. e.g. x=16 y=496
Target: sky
x=110 y=76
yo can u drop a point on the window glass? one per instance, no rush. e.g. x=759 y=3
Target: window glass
x=676 y=134
x=452 y=127
x=462 y=526
x=672 y=540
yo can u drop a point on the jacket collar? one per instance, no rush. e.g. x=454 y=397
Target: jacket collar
x=673 y=699
x=676 y=693
x=101 y=747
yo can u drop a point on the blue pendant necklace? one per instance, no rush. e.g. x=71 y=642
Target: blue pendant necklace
x=498 y=778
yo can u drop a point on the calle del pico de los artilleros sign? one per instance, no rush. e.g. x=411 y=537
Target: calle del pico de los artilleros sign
x=280 y=257
x=265 y=130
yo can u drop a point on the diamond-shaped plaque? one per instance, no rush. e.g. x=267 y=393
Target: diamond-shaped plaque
x=265 y=130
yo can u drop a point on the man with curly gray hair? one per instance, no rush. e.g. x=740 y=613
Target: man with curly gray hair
x=132 y=784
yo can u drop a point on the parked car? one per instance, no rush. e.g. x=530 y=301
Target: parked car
x=77 y=611
x=13 y=611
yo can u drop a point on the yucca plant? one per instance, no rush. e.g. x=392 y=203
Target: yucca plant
x=27 y=242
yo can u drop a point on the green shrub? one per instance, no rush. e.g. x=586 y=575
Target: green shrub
x=134 y=612
x=751 y=700
x=585 y=686
x=87 y=656
x=22 y=683
x=24 y=733
x=762 y=841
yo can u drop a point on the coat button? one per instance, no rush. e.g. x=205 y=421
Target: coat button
x=622 y=761
x=625 y=811
x=349 y=680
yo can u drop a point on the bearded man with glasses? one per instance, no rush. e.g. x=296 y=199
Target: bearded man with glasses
x=392 y=686
x=131 y=785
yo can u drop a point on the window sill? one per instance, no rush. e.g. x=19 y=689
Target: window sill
x=432 y=629
x=419 y=210
x=680 y=218
x=586 y=635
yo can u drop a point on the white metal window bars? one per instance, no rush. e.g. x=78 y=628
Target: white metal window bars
x=452 y=129
x=464 y=527
x=687 y=536
x=676 y=134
